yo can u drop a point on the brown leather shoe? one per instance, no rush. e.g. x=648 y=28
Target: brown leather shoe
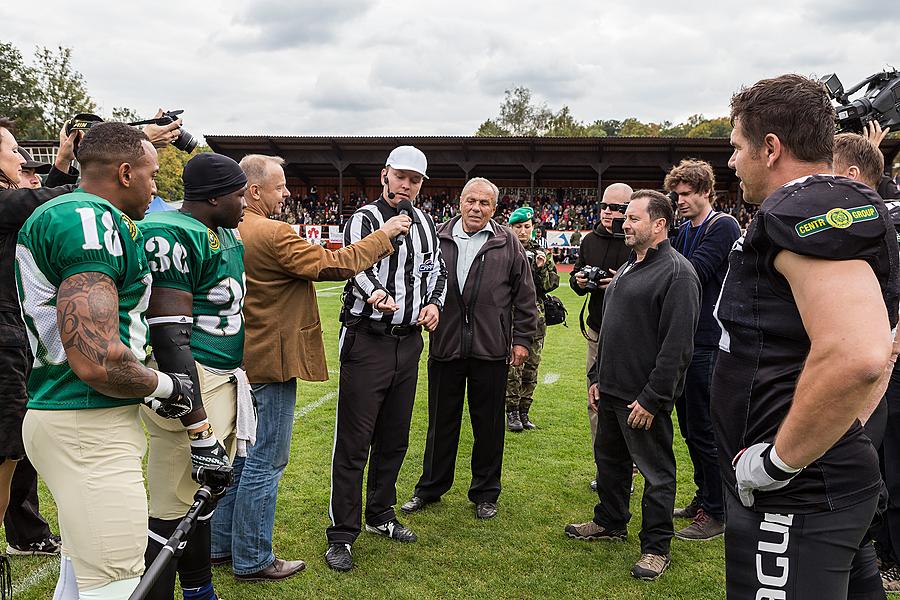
x=280 y=569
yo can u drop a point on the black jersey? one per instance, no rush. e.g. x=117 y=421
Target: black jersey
x=764 y=343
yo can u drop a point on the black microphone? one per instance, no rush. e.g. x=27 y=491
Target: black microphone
x=405 y=207
x=390 y=194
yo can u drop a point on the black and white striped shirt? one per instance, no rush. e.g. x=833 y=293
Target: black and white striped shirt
x=414 y=275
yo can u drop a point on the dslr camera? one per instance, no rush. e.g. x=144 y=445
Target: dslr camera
x=594 y=275
x=185 y=142
x=880 y=102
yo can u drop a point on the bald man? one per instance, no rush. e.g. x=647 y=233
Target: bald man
x=604 y=249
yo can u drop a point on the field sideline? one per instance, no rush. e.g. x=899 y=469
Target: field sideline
x=523 y=553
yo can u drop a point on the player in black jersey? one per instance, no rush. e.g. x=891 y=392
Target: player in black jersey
x=806 y=312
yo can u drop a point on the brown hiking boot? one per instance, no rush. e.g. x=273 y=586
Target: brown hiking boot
x=650 y=566
x=689 y=511
x=590 y=531
x=703 y=528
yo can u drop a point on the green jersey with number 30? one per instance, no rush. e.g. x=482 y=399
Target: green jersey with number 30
x=77 y=233
x=184 y=254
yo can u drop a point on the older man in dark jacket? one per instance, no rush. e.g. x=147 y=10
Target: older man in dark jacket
x=480 y=335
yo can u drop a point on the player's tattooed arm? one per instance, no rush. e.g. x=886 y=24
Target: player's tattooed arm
x=87 y=309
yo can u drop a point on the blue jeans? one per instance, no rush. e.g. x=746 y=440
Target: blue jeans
x=244 y=518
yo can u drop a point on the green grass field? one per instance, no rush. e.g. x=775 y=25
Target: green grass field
x=523 y=553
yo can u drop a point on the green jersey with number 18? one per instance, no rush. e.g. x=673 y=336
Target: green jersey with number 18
x=77 y=233
x=184 y=254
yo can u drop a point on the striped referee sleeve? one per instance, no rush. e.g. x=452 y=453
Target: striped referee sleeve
x=357 y=227
x=437 y=279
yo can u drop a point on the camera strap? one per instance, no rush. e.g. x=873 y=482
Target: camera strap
x=581 y=319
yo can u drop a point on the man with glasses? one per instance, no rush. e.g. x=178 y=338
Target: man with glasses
x=604 y=249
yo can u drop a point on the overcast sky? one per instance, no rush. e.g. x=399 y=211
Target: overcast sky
x=422 y=67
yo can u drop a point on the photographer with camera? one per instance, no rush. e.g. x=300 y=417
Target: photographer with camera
x=84 y=283
x=522 y=379
x=705 y=238
x=601 y=252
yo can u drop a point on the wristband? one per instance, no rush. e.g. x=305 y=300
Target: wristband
x=776 y=468
x=164 y=385
x=201 y=435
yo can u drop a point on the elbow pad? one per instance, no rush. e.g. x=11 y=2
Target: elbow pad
x=170 y=338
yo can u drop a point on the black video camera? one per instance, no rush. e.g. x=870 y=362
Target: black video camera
x=216 y=478
x=593 y=275
x=880 y=102
x=84 y=121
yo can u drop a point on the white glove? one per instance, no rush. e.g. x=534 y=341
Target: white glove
x=755 y=470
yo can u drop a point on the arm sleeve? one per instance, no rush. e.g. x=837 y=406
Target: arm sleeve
x=57 y=178
x=549 y=277
x=358 y=227
x=17 y=205
x=525 y=316
x=437 y=279
x=677 y=322
x=713 y=249
x=298 y=258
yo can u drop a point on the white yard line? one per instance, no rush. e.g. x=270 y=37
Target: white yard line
x=551 y=378
x=37 y=576
x=328 y=289
x=305 y=410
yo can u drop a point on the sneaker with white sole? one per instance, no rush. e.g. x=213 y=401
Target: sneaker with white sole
x=650 y=566
x=890 y=579
x=46 y=547
x=394 y=530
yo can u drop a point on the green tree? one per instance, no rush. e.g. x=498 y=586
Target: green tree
x=171 y=164
x=491 y=128
x=712 y=128
x=18 y=93
x=62 y=88
x=124 y=114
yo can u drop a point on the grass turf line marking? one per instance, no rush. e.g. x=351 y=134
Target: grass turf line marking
x=550 y=378
x=37 y=576
x=328 y=289
x=305 y=410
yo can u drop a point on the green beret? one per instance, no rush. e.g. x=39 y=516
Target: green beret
x=520 y=215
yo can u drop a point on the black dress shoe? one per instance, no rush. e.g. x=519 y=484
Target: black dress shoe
x=485 y=510
x=280 y=569
x=415 y=504
x=338 y=557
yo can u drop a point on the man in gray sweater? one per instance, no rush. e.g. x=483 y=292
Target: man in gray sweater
x=650 y=312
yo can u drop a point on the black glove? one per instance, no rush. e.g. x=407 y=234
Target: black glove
x=179 y=402
x=207 y=450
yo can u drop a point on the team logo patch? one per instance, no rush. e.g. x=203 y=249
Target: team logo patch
x=427 y=266
x=836 y=218
x=132 y=228
x=214 y=243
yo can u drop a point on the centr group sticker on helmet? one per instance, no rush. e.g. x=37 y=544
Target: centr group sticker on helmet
x=836 y=218
x=214 y=243
x=132 y=228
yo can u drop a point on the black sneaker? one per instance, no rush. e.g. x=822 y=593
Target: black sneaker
x=338 y=557
x=46 y=547
x=394 y=530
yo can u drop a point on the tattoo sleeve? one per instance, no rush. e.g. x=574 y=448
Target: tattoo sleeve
x=87 y=308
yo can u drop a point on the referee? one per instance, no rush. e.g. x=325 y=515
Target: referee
x=385 y=308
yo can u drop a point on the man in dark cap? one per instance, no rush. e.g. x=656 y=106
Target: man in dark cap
x=31 y=171
x=196 y=327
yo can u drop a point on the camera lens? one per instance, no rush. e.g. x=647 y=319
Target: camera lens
x=185 y=141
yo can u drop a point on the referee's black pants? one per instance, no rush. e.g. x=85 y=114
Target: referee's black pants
x=375 y=401
x=447 y=383
x=797 y=557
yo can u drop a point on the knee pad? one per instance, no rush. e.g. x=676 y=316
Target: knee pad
x=112 y=591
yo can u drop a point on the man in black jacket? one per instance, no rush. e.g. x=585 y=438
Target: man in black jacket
x=600 y=248
x=650 y=312
x=489 y=283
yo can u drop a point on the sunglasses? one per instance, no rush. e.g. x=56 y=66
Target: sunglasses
x=613 y=207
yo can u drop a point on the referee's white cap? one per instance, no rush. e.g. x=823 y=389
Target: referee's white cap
x=408 y=158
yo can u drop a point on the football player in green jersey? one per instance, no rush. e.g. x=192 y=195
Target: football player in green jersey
x=84 y=284
x=196 y=326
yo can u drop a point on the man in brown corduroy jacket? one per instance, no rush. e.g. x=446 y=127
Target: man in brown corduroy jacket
x=283 y=343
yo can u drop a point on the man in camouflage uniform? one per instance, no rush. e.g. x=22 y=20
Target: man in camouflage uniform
x=522 y=379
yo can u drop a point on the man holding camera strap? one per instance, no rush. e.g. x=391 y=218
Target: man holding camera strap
x=196 y=327
x=603 y=249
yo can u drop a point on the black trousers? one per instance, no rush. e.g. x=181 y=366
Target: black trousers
x=796 y=557
x=615 y=447
x=889 y=534
x=24 y=524
x=375 y=400
x=447 y=385
x=696 y=428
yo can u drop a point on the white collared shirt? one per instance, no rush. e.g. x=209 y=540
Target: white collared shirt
x=468 y=245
